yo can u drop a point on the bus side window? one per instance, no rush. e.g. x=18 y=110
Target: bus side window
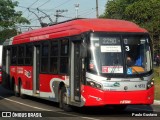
x=20 y=55
x=28 y=54
x=64 y=56
x=54 y=57
x=14 y=55
x=44 y=57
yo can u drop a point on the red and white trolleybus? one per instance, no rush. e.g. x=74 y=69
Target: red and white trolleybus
x=82 y=62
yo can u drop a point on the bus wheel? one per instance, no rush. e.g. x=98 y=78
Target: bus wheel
x=15 y=92
x=63 y=100
x=20 y=92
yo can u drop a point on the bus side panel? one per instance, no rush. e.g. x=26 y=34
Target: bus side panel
x=13 y=74
x=23 y=73
x=49 y=85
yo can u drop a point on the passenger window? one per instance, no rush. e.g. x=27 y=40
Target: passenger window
x=44 y=58
x=64 y=56
x=14 y=55
x=29 y=54
x=20 y=55
x=54 y=57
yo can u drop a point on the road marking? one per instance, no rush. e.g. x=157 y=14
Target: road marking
x=90 y=118
x=48 y=109
x=24 y=104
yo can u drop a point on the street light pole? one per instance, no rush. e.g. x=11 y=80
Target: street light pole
x=97 y=14
x=77 y=7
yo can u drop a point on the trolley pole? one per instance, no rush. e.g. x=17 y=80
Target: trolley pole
x=39 y=19
x=51 y=21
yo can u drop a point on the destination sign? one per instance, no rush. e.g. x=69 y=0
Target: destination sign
x=110 y=40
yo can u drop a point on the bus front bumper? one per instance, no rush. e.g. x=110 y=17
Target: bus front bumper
x=95 y=97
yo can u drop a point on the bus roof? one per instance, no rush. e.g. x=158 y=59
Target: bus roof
x=75 y=27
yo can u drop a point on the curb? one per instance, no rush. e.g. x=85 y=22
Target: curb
x=156 y=102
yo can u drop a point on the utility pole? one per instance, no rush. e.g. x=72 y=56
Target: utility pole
x=97 y=14
x=76 y=7
x=58 y=12
x=46 y=15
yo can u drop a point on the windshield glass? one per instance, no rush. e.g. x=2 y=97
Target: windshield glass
x=105 y=54
x=110 y=54
x=138 y=54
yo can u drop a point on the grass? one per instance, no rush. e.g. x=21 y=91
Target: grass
x=157 y=82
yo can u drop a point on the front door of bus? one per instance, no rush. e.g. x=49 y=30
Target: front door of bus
x=75 y=72
x=36 y=64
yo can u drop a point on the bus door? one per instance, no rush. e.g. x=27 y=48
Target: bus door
x=76 y=66
x=36 y=67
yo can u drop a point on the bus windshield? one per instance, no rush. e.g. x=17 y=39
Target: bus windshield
x=138 y=54
x=119 y=54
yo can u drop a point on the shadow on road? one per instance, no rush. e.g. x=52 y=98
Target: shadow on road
x=5 y=93
x=107 y=111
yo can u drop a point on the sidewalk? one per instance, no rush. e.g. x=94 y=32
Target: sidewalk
x=156 y=102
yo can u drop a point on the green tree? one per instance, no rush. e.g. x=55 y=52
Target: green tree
x=9 y=17
x=7 y=33
x=145 y=13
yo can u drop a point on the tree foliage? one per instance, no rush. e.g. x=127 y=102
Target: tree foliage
x=7 y=33
x=146 y=13
x=9 y=17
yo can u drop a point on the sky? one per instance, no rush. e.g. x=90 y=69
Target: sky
x=86 y=9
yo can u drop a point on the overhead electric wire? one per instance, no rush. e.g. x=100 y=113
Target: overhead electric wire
x=62 y=4
x=43 y=4
x=81 y=13
x=86 y=11
x=37 y=7
x=33 y=3
x=94 y=10
x=30 y=6
x=67 y=1
x=22 y=6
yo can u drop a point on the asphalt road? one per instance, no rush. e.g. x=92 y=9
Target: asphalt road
x=45 y=110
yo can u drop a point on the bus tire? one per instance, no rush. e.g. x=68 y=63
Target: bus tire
x=20 y=91
x=15 y=92
x=63 y=100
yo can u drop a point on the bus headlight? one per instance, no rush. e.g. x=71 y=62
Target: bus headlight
x=150 y=83
x=93 y=84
